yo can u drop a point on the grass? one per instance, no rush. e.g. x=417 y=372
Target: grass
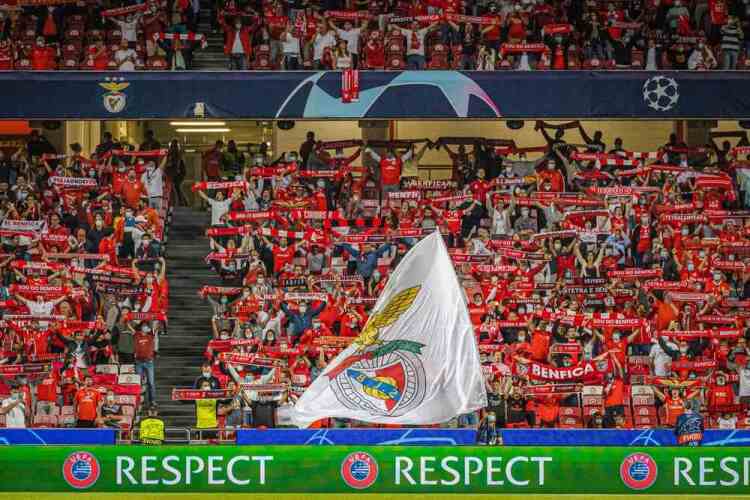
x=341 y=496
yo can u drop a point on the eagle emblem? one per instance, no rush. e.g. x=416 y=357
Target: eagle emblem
x=389 y=315
x=114 y=99
x=384 y=378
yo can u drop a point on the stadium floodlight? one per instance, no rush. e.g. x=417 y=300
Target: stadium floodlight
x=202 y=130
x=198 y=123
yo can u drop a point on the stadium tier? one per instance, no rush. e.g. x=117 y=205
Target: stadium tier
x=604 y=287
x=441 y=246
x=394 y=35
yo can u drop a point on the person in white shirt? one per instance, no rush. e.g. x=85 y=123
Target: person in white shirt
x=351 y=35
x=128 y=27
x=125 y=57
x=219 y=206
x=290 y=47
x=324 y=39
x=660 y=359
x=727 y=421
x=14 y=409
x=415 y=38
x=153 y=180
x=342 y=57
x=40 y=307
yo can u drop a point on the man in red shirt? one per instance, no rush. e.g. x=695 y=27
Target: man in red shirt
x=86 y=404
x=211 y=164
x=43 y=56
x=390 y=168
x=144 y=351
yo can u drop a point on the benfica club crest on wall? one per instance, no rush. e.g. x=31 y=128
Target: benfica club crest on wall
x=383 y=378
x=114 y=99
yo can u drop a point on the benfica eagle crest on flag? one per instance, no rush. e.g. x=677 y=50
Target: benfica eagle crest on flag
x=387 y=378
x=416 y=360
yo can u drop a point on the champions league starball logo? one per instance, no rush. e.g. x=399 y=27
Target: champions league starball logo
x=661 y=93
x=317 y=95
x=359 y=470
x=383 y=378
x=81 y=470
x=638 y=471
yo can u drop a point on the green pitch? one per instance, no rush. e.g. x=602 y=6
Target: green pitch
x=380 y=496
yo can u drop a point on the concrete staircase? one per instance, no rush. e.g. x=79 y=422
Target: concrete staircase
x=211 y=58
x=181 y=351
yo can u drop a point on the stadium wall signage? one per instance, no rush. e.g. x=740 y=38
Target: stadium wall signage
x=383 y=94
x=57 y=436
x=393 y=469
x=510 y=437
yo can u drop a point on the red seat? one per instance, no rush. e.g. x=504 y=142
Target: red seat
x=643 y=400
x=637 y=59
x=588 y=411
x=395 y=62
x=570 y=422
x=439 y=57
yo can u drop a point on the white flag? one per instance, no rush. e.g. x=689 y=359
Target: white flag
x=416 y=360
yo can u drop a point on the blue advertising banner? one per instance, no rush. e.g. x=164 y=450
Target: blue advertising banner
x=615 y=437
x=402 y=437
x=57 y=436
x=511 y=437
x=383 y=94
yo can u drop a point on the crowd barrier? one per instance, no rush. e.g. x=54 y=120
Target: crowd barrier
x=399 y=437
x=383 y=94
x=57 y=436
x=386 y=469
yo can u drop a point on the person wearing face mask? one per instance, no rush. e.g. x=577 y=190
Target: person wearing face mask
x=131 y=190
x=301 y=319
x=153 y=181
x=145 y=352
x=95 y=235
x=14 y=409
x=110 y=413
x=207 y=376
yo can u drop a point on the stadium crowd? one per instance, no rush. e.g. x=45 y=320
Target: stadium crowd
x=335 y=34
x=84 y=294
x=607 y=287
x=83 y=35
x=487 y=35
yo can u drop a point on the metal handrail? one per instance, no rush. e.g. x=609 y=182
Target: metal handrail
x=188 y=435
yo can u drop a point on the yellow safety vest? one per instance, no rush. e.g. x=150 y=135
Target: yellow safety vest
x=152 y=431
x=205 y=414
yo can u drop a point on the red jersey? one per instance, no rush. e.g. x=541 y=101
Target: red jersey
x=43 y=58
x=720 y=395
x=282 y=257
x=390 y=170
x=87 y=401
x=46 y=390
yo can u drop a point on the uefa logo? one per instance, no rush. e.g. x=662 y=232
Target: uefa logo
x=81 y=470
x=638 y=471
x=359 y=470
